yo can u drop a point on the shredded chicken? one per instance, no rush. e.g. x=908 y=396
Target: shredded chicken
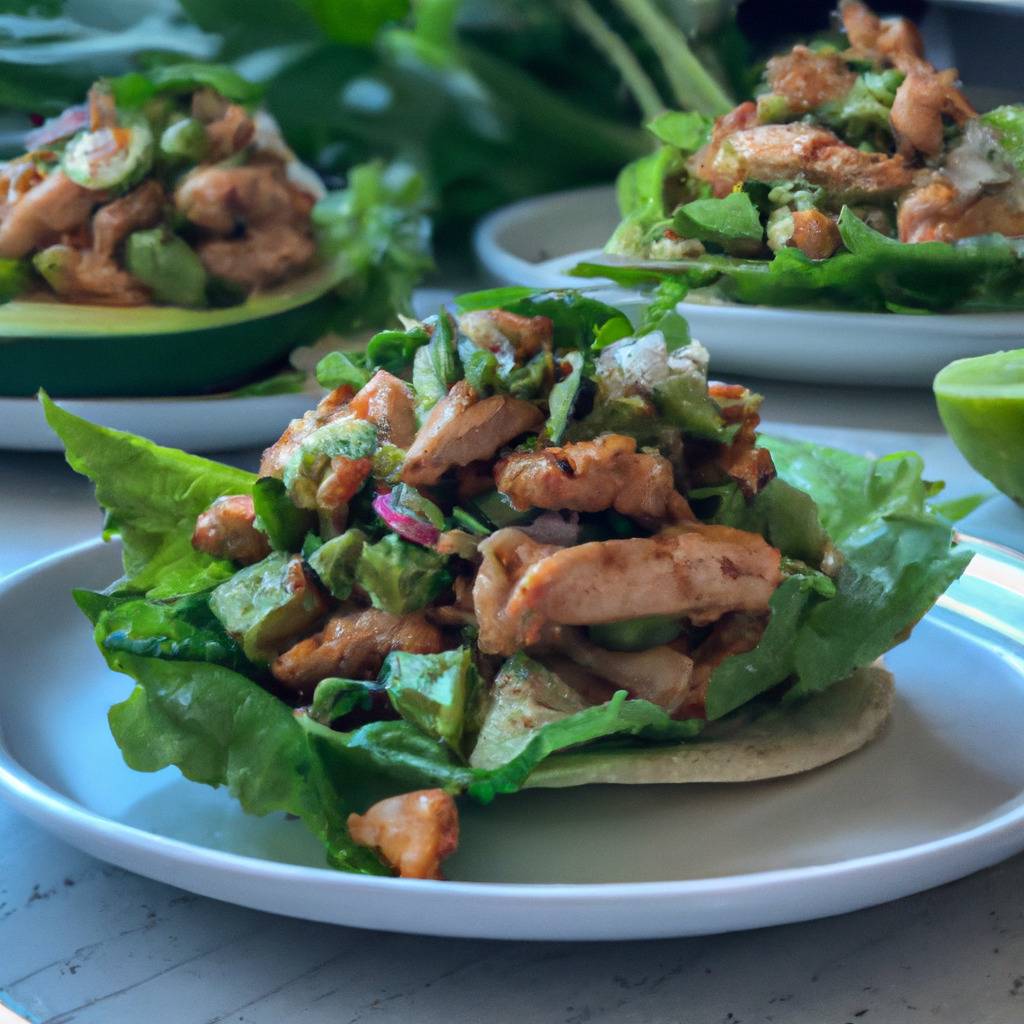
x=332 y=407
x=266 y=256
x=387 y=402
x=258 y=198
x=494 y=329
x=354 y=645
x=88 y=276
x=413 y=832
x=226 y=530
x=735 y=633
x=815 y=234
x=43 y=213
x=661 y=675
x=740 y=460
x=923 y=99
x=784 y=152
x=220 y=199
x=113 y=223
x=806 y=79
x=506 y=555
x=893 y=40
x=340 y=485
x=590 y=476
x=462 y=429
x=936 y=211
x=704 y=162
x=231 y=132
x=700 y=572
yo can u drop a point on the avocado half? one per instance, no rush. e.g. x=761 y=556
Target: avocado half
x=80 y=351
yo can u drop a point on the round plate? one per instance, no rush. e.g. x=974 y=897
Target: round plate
x=216 y=423
x=938 y=795
x=537 y=241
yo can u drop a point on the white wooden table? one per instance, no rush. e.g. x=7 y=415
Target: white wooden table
x=85 y=942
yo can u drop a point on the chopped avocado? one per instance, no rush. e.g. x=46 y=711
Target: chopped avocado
x=184 y=141
x=401 y=577
x=168 y=266
x=636 y=634
x=494 y=508
x=108 y=158
x=432 y=690
x=335 y=562
x=267 y=604
x=51 y=264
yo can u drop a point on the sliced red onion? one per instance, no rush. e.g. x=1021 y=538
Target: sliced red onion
x=405 y=526
x=552 y=528
x=60 y=127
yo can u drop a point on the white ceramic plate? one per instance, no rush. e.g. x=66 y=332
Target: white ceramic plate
x=208 y=424
x=939 y=795
x=537 y=241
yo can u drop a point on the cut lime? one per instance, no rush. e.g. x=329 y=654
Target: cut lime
x=981 y=402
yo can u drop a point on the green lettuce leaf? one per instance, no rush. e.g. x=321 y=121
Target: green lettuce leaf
x=875 y=273
x=221 y=729
x=685 y=129
x=896 y=561
x=178 y=629
x=577 y=317
x=721 y=221
x=152 y=496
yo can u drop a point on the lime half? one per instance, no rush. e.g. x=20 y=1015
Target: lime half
x=981 y=402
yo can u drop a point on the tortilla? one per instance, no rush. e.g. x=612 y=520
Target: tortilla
x=785 y=741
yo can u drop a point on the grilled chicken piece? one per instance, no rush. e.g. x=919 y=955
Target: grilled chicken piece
x=892 y=40
x=590 y=476
x=496 y=329
x=736 y=633
x=354 y=645
x=113 y=223
x=936 y=211
x=700 y=572
x=387 y=402
x=412 y=832
x=332 y=407
x=226 y=530
x=661 y=675
x=462 y=429
x=229 y=133
x=220 y=198
x=703 y=162
x=340 y=485
x=815 y=234
x=740 y=460
x=266 y=255
x=922 y=100
x=783 y=152
x=506 y=555
x=806 y=79
x=87 y=276
x=44 y=212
